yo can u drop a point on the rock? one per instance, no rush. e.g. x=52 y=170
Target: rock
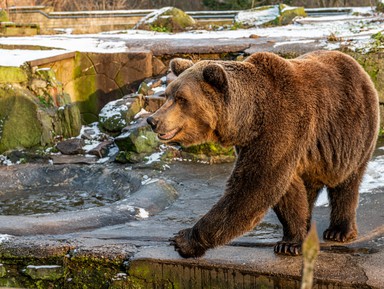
x=207 y=153
x=138 y=140
x=130 y=157
x=68 y=121
x=167 y=19
x=98 y=78
x=26 y=156
x=143 y=88
x=71 y=146
x=101 y=150
x=73 y=159
x=158 y=67
x=24 y=121
x=136 y=143
x=115 y=115
x=45 y=272
x=9 y=74
x=288 y=13
x=269 y=15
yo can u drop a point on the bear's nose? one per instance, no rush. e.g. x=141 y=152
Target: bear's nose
x=152 y=122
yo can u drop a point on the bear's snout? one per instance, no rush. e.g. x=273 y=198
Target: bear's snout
x=152 y=122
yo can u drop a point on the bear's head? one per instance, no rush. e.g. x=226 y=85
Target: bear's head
x=194 y=100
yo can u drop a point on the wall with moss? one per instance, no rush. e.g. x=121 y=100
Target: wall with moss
x=94 y=79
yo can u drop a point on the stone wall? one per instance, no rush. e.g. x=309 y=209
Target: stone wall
x=94 y=79
x=51 y=22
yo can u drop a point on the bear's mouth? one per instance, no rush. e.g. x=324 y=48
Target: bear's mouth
x=169 y=135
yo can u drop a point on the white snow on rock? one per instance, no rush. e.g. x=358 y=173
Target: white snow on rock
x=155 y=157
x=4 y=238
x=256 y=16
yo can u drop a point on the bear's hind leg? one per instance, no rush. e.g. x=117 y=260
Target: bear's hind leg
x=344 y=200
x=293 y=213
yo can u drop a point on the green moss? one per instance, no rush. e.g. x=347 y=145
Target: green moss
x=3 y=16
x=10 y=74
x=209 y=149
x=19 y=124
x=69 y=121
x=50 y=272
x=172 y=20
x=287 y=14
x=141 y=140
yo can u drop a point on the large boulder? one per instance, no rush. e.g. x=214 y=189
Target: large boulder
x=269 y=15
x=167 y=19
x=27 y=121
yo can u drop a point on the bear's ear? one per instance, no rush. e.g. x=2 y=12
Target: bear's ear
x=216 y=76
x=178 y=65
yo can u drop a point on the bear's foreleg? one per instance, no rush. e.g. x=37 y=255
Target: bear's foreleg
x=251 y=190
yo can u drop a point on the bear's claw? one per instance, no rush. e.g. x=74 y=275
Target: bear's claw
x=287 y=248
x=339 y=235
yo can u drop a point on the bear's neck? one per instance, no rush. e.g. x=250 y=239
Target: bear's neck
x=241 y=119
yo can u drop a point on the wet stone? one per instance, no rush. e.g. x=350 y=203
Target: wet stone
x=46 y=272
x=101 y=150
x=71 y=146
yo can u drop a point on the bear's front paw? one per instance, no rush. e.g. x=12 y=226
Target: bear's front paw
x=185 y=245
x=339 y=234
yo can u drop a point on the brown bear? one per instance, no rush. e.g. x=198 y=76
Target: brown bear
x=297 y=125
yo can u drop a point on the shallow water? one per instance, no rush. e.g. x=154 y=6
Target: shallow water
x=31 y=190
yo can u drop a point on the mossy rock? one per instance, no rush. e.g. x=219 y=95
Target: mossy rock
x=52 y=273
x=208 y=153
x=19 y=124
x=69 y=121
x=288 y=13
x=139 y=140
x=9 y=74
x=4 y=16
x=271 y=15
x=130 y=157
x=26 y=122
x=209 y=149
x=117 y=114
x=167 y=19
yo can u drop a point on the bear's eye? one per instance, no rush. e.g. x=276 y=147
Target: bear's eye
x=181 y=100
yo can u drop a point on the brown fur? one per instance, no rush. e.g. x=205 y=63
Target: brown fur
x=298 y=125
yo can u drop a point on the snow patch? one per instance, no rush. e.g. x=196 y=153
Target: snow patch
x=4 y=238
x=142 y=213
x=43 y=267
x=141 y=113
x=257 y=17
x=374 y=176
x=155 y=157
